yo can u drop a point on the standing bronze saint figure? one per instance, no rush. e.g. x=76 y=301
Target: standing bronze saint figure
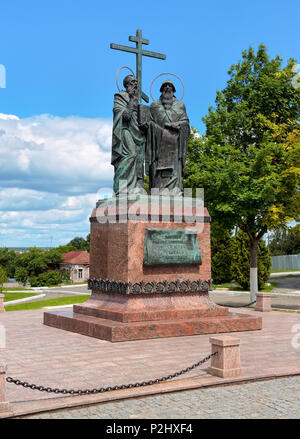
x=128 y=141
x=166 y=127
x=167 y=138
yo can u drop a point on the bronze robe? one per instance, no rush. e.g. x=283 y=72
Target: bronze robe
x=128 y=147
x=166 y=149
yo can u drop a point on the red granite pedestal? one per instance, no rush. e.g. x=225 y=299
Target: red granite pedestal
x=132 y=301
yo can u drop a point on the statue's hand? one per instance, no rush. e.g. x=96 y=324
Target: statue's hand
x=133 y=103
x=144 y=126
x=172 y=126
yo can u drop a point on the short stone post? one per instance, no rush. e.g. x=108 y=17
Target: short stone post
x=2 y=309
x=4 y=404
x=226 y=363
x=263 y=302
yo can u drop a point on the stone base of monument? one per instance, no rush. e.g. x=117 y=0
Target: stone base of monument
x=113 y=330
x=150 y=277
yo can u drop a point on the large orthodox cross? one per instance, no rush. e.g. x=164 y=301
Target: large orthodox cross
x=138 y=50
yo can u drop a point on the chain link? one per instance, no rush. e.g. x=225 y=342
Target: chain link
x=238 y=306
x=107 y=389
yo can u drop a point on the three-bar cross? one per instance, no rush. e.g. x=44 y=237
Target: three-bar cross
x=138 y=50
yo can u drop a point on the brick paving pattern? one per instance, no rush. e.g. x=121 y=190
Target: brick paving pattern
x=51 y=357
x=274 y=399
x=282 y=301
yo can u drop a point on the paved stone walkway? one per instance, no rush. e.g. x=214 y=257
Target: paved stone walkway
x=287 y=284
x=48 y=356
x=274 y=399
x=282 y=301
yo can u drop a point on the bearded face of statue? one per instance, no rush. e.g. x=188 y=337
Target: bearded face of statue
x=167 y=95
x=131 y=85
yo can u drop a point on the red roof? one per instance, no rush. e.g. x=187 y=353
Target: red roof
x=76 y=257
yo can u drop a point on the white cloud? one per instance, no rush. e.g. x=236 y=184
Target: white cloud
x=8 y=116
x=54 y=154
x=52 y=171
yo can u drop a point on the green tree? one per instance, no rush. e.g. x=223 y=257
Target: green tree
x=88 y=242
x=285 y=241
x=29 y=265
x=34 y=261
x=21 y=275
x=248 y=161
x=49 y=278
x=240 y=266
x=221 y=254
x=54 y=256
x=3 y=278
x=8 y=260
x=79 y=243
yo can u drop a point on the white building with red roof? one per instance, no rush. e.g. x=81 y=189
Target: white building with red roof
x=77 y=263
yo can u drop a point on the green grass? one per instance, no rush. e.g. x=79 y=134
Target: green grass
x=286 y=275
x=269 y=288
x=16 y=289
x=283 y=271
x=52 y=286
x=235 y=287
x=15 y=296
x=286 y=310
x=63 y=285
x=50 y=302
x=226 y=285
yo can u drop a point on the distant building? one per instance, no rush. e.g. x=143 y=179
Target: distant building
x=77 y=263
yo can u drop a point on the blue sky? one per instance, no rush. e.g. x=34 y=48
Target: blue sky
x=60 y=79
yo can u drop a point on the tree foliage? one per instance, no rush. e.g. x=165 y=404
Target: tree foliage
x=3 y=278
x=241 y=261
x=285 y=241
x=221 y=254
x=8 y=260
x=80 y=243
x=32 y=264
x=38 y=266
x=88 y=242
x=248 y=161
x=49 y=278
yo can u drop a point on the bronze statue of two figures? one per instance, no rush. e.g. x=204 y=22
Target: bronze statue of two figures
x=149 y=140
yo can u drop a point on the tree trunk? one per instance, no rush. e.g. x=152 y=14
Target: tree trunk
x=253 y=269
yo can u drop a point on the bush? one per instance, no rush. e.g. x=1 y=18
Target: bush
x=241 y=261
x=49 y=278
x=3 y=278
x=8 y=261
x=221 y=254
x=285 y=242
x=21 y=275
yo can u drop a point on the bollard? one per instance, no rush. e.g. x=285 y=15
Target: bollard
x=263 y=302
x=2 y=309
x=4 y=405
x=226 y=363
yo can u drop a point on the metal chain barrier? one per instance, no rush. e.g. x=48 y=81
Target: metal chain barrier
x=238 y=306
x=107 y=389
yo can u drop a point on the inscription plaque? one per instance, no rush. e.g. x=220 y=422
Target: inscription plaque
x=169 y=246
